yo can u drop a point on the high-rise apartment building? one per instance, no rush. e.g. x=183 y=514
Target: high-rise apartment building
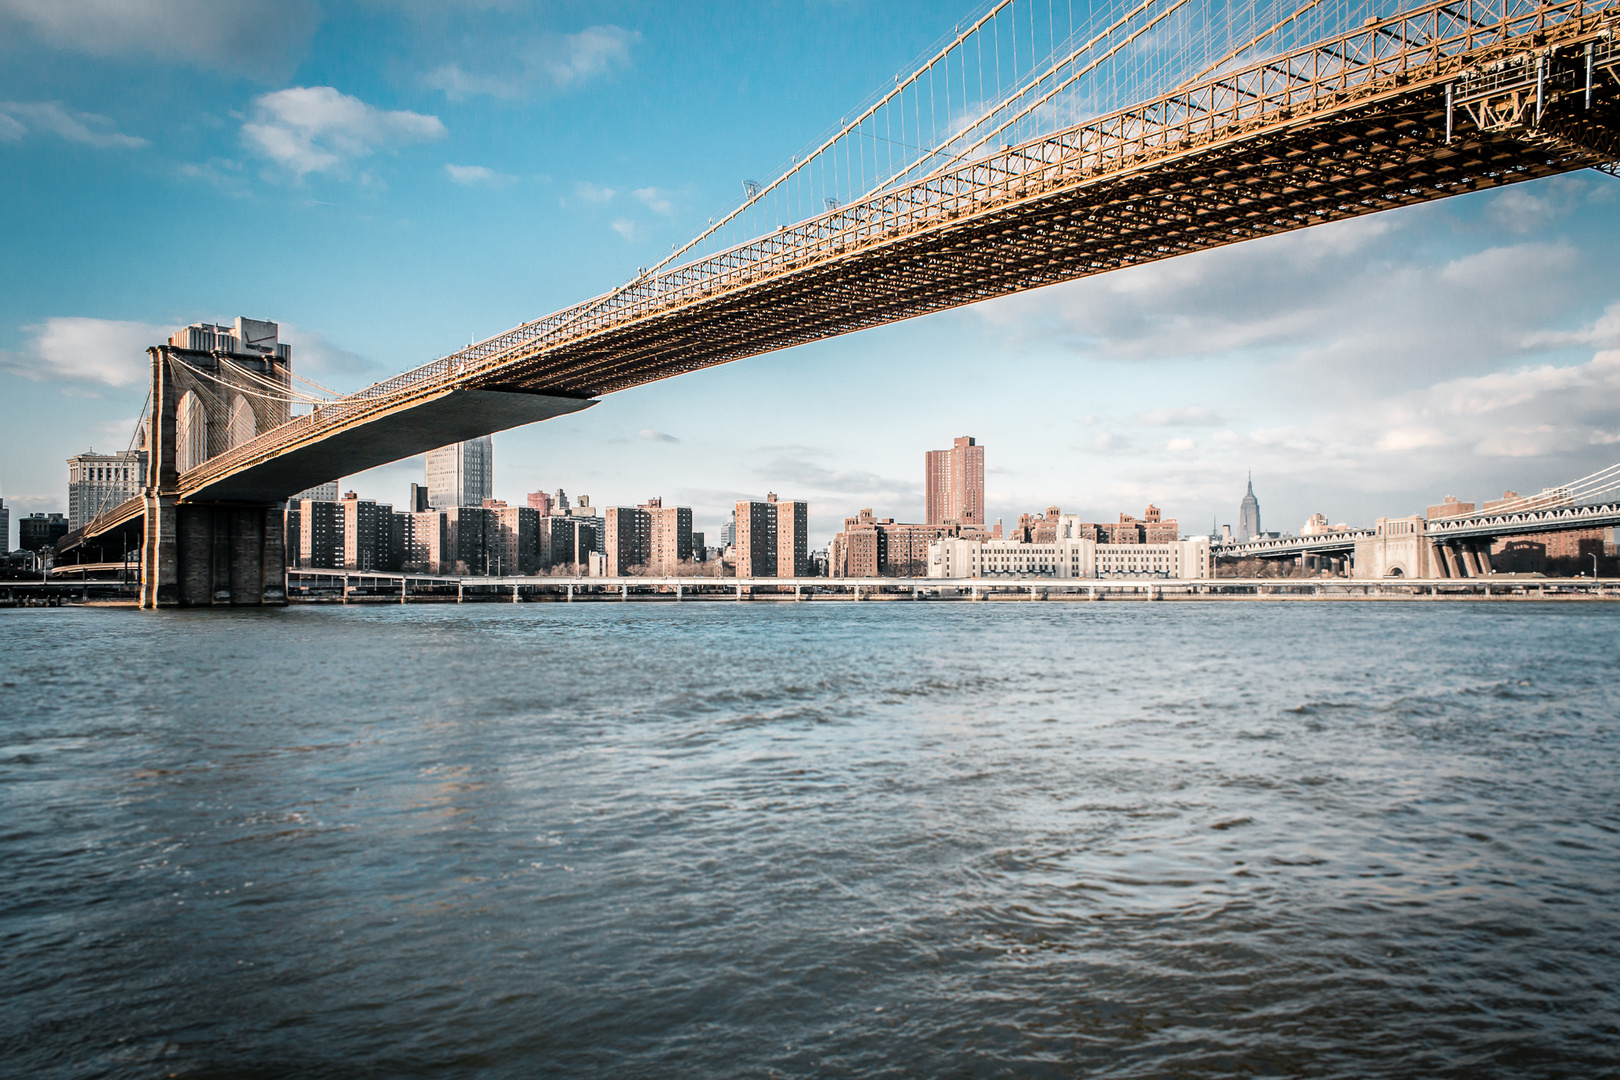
x=359 y=524
x=756 y=538
x=514 y=540
x=792 y=541
x=320 y=535
x=626 y=539
x=366 y=533
x=568 y=542
x=670 y=540
x=541 y=502
x=466 y=539
x=5 y=527
x=427 y=543
x=461 y=474
x=771 y=538
x=99 y=482
x=955 y=482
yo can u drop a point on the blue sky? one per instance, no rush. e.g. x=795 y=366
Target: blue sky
x=391 y=179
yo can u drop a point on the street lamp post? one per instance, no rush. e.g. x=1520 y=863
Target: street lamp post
x=1594 y=566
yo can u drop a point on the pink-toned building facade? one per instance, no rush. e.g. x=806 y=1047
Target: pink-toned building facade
x=955 y=482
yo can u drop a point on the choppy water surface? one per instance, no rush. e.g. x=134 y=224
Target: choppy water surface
x=751 y=840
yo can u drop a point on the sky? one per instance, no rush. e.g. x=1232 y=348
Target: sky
x=390 y=180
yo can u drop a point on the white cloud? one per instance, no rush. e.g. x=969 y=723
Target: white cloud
x=74 y=349
x=316 y=129
x=625 y=228
x=559 y=61
x=655 y=436
x=1604 y=333
x=1304 y=301
x=86 y=352
x=252 y=37
x=91 y=129
x=317 y=357
x=593 y=51
x=477 y=176
x=655 y=200
x=593 y=193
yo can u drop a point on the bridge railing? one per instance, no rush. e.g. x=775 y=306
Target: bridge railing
x=1433 y=42
x=1525 y=520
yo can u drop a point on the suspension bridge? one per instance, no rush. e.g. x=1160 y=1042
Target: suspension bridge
x=1031 y=146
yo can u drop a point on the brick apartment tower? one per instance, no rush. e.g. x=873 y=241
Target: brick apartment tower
x=771 y=538
x=670 y=540
x=627 y=539
x=955 y=480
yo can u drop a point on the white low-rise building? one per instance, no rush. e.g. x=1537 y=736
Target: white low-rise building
x=1178 y=560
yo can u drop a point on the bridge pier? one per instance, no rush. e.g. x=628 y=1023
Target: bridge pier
x=203 y=555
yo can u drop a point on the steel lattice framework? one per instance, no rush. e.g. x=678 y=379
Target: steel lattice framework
x=1438 y=100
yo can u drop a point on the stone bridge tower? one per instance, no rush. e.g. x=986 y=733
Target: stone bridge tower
x=213 y=387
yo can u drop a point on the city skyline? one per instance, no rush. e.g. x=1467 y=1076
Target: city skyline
x=1493 y=361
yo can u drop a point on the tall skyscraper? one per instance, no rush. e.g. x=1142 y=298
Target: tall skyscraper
x=955 y=480
x=99 y=482
x=1248 y=516
x=461 y=474
x=5 y=528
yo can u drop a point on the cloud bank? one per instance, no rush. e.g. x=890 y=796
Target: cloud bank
x=550 y=61
x=99 y=352
x=252 y=37
x=19 y=118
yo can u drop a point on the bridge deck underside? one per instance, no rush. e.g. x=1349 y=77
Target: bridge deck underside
x=1378 y=155
x=448 y=417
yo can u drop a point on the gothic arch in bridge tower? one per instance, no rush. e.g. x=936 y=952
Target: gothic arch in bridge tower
x=242 y=426
x=190 y=432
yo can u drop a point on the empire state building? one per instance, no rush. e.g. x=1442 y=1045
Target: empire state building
x=1248 y=516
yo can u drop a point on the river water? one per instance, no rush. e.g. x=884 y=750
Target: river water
x=812 y=840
